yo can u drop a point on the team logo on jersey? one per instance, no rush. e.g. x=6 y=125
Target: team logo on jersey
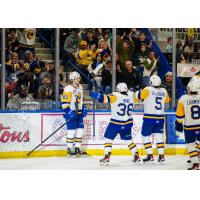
x=30 y=34
x=78 y=97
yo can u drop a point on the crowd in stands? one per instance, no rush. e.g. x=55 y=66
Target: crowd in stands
x=28 y=78
x=88 y=51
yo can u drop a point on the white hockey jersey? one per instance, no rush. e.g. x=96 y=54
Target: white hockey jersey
x=121 y=107
x=154 y=101
x=188 y=110
x=73 y=98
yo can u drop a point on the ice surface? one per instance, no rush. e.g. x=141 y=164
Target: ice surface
x=91 y=163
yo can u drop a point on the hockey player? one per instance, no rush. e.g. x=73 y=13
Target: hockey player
x=188 y=112
x=121 y=119
x=75 y=111
x=154 y=99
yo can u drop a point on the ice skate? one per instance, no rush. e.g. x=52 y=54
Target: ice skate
x=70 y=152
x=195 y=166
x=104 y=161
x=161 y=158
x=136 y=158
x=148 y=159
x=79 y=152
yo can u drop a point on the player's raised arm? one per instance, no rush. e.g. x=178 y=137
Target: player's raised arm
x=102 y=98
x=142 y=94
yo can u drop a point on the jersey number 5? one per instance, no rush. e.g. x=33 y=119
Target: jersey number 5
x=195 y=112
x=158 y=105
x=125 y=109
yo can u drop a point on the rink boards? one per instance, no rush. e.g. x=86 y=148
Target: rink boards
x=20 y=132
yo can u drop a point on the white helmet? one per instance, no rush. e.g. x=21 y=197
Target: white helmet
x=73 y=76
x=155 y=81
x=193 y=85
x=122 y=87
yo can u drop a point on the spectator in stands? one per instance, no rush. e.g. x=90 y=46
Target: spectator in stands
x=125 y=50
x=179 y=52
x=167 y=82
x=141 y=56
x=33 y=64
x=21 y=97
x=119 y=78
x=106 y=38
x=107 y=77
x=142 y=39
x=12 y=43
x=71 y=44
x=131 y=76
x=151 y=65
x=83 y=58
x=46 y=90
x=188 y=47
x=169 y=45
x=104 y=50
x=93 y=51
x=95 y=69
x=14 y=65
x=26 y=39
x=10 y=88
x=90 y=38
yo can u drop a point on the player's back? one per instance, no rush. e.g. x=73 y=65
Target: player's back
x=154 y=103
x=121 y=106
x=191 y=106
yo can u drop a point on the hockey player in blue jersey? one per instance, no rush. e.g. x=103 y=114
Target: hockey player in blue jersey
x=121 y=121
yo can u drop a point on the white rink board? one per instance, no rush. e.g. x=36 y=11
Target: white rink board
x=24 y=131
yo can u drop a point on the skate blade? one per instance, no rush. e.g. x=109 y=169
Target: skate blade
x=149 y=163
x=104 y=164
x=138 y=163
x=162 y=163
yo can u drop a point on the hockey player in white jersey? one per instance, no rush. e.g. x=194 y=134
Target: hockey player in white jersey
x=121 y=121
x=188 y=113
x=154 y=99
x=75 y=111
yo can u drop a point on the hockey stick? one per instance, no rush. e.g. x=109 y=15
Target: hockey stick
x=29 y=153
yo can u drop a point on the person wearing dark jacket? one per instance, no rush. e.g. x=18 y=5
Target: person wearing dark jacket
x=131 y=76
x=107 y=77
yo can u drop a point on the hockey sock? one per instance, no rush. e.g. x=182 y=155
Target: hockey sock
x=132 y=146
x=108 y=146
x=147 y=144
x=193 y=153
x=78 y=138
x=70 y=138
x=159 y=143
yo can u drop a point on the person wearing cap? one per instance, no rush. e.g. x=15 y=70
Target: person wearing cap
x=83 y=58
x=167 y=82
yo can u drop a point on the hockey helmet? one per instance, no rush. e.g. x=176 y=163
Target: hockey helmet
x=193 y=85
x=122 y=87
x=155 y=81
x=73 y=76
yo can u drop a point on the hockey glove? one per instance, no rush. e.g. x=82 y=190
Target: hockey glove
x=70 y=115
x=178 y=126
x=97 y=96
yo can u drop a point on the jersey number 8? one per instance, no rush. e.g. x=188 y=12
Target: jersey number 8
x=195 y=112
x=125 y=109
